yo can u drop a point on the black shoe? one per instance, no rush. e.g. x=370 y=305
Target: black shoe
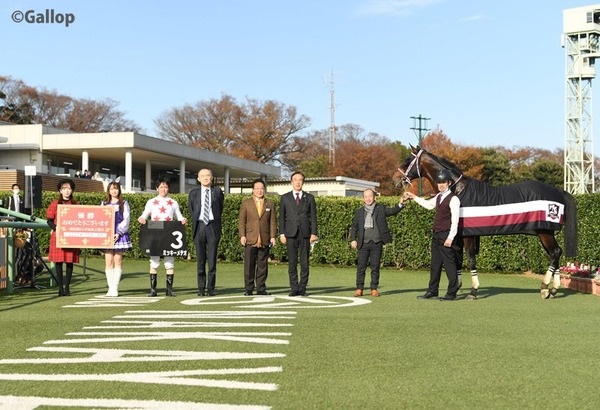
x=303 y=293
x=448 y=296
x=211 y=293
x=263 y=293
x=293 y=293
x=248 y=293
x=428 y=295
x=152 y=293
x=201 y=293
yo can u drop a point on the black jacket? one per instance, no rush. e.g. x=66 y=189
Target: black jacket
x=380 y=214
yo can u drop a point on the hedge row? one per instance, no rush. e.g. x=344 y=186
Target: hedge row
x=411 y=230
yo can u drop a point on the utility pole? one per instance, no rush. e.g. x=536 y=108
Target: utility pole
x=332 y=125
x=420 y=132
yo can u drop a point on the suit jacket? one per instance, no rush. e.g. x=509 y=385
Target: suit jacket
x=380 y=214
x=10 y=204
x=301 y=218
x=251 y=224
x=195 y=205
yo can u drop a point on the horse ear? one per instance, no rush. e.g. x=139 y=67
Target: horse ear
x=413 y=149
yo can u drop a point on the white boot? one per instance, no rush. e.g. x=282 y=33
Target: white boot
x=109 y=281
x=116 y=279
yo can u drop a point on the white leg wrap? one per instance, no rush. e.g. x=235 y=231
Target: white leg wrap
x=548 y=276
x=474 y=280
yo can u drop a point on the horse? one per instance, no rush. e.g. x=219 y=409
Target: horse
x=528 y=207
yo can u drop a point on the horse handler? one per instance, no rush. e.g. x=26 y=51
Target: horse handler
x=445 y=227
x=369 y=233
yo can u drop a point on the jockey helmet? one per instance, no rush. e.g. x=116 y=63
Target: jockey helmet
x=443 y=176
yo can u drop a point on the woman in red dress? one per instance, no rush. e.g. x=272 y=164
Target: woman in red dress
x=65 y=187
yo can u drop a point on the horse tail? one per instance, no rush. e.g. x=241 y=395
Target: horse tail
x=570 y=232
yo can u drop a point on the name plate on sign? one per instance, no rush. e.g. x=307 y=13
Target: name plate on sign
x=163 y=238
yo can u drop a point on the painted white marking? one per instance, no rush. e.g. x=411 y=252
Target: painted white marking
x=297 y=302
x=33 y=402
x=247 y=337
x=125 y=301
x=178 y=377
x=128 y=355
x=147 y=324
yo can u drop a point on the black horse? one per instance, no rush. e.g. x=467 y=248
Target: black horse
x=528 y=207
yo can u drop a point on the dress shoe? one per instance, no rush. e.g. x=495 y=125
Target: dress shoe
x=293 y=293
x=358 y=293
x=428 y=295
x=374 y=293
x=201 y=294
x=247 y=293
x=303 y=293
x=448 y=296
x=263 y=293
x=211 y=293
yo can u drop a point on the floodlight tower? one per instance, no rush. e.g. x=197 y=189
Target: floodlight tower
x=581 y=28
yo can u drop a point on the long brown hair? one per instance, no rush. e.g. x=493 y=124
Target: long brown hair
x=120 y=196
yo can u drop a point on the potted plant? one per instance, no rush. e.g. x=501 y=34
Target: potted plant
x=20 y=237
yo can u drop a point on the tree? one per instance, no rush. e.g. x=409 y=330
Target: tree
x=496 y=167
x=41 y=106
x=266 y=131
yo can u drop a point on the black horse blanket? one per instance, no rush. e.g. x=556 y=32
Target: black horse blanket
x=511 y=209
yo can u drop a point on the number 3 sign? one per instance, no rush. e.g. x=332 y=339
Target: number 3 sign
x=163 y=238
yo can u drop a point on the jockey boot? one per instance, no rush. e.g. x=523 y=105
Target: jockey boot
x=170 y=282
x=152 y=285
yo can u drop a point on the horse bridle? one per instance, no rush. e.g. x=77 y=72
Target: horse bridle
x=407 y=181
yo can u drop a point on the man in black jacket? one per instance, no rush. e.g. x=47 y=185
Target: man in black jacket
x=15 y=201
x=206 y=208
x=369 y=233
x=298 y=229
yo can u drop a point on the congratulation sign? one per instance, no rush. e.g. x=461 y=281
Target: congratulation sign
x=85 y=226
x=163 y=238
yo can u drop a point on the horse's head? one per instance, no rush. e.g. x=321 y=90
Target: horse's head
x=409 y=170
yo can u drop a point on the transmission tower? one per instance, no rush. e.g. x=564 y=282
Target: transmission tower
x=420 y=124
x=581 y=28
x=332 y=125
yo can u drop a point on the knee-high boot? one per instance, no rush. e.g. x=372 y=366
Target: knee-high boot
x=152 y=285
x=59 y=279
x=109 y=281
x=170 y=282
x=68 y=276
x=116 y=278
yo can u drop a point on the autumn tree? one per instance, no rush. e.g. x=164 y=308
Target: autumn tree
x=42 y=106
x=264 y=131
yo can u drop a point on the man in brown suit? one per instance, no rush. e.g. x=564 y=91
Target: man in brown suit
x=257 y=230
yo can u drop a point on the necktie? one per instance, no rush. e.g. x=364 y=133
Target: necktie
x=297 y=198
x=259 y=205
x=205 y=214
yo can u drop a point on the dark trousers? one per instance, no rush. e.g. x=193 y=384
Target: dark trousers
x=442 y=256
x=207 y=243
x=256 y=265
x=298 y=246
x=369 y=252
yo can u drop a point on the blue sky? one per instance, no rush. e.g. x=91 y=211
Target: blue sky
x=486 y=72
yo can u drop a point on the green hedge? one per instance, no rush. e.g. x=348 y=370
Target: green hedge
x=410 y=229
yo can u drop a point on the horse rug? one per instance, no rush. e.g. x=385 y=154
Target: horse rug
x=513 y=209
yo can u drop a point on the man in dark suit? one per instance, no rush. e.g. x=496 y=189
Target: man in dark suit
x=369 y=233
x=298 y=229
x=206 y=208
x=257 y=229
x=15 y=201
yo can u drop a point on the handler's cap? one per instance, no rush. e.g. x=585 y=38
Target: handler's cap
x=443 y=176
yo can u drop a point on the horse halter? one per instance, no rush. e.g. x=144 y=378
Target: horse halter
x=406 y=180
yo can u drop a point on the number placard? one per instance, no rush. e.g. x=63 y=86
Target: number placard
x=164 y=238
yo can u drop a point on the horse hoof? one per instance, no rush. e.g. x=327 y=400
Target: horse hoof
x=545 y=294
x=471 y=297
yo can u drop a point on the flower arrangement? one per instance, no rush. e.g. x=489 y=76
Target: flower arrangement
x=581 y=270
x=21 y=234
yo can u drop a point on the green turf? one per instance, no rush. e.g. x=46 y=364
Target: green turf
x=509 y=349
